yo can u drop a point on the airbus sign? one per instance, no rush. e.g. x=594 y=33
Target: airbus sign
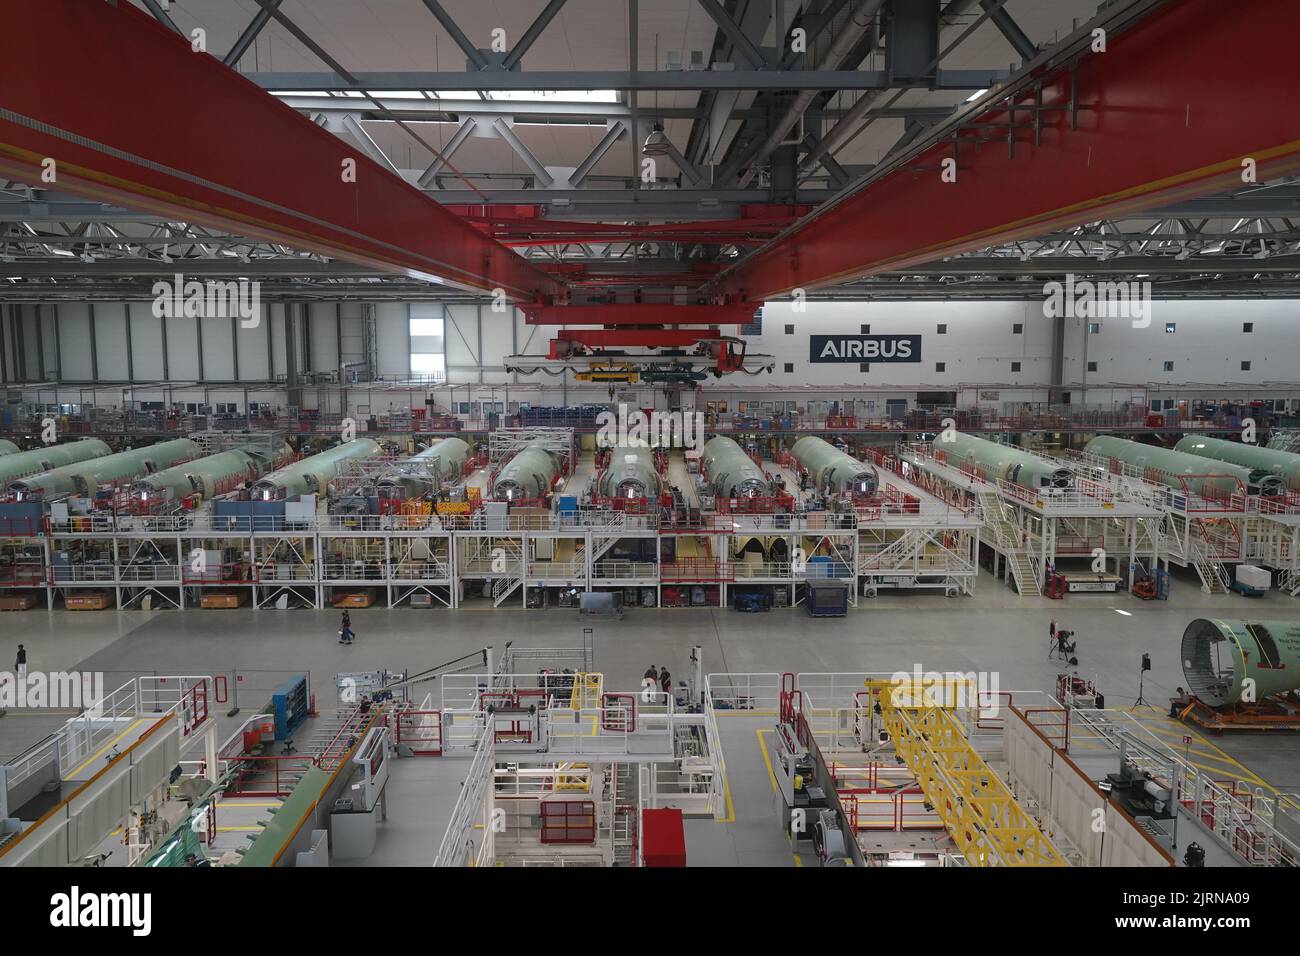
x=864 y=348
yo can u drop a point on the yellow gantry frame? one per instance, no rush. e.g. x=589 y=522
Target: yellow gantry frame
x=978 y=809
x=588 y=688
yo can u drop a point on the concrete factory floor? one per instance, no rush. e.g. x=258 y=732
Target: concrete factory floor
x=992 y=631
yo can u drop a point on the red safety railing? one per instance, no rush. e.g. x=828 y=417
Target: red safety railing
x=196 y=699
x=420 y=731
x=618 y=712
x=1053 y=723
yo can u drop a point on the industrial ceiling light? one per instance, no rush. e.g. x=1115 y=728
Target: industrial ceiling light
x=656 y=144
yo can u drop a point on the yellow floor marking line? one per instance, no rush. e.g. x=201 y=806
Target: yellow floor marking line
x=1216 y=753
x=240 y=829
x=104 y=749
x=767 y=758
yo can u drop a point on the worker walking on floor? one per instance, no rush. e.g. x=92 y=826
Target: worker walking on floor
x=649 y=681
x=666 y=682
x=346 y=633
x=20 y=662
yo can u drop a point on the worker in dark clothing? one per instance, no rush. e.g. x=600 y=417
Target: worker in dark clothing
x=666 y=682
x=1178 y=703
x=346 y=633
x=20 y=662
x=1051 y=630
x=651 y=674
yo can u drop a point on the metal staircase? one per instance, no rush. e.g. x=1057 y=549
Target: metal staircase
x=1288 y=580
x=1007 y=538
x=608 y=535
x=1214 y=576
x=905 y=549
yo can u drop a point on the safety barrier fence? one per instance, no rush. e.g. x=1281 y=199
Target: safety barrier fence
x=1250 y=821
x=101 y=720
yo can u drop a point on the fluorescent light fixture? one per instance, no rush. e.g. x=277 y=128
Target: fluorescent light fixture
x=1125 y=613
x=976 y=95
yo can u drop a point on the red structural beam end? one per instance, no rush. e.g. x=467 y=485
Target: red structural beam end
x=129 y=113
x=1171 y=110
x=646 y=315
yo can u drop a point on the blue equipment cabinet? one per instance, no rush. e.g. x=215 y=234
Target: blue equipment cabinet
x=289 y=706
x=827 y=599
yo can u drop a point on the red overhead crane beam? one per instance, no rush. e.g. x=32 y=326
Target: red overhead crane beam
x=130 y=114
x=646 y=315
x=1170 y=111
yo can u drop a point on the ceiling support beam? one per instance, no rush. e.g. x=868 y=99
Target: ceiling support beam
x=429 y=178
x=154 y=7
x=531 y=34
x=1122 y=131
x=740 y=40
x=250 y=34
x=543 y=178
x=612 y=135
x=476 y=58
x=688 y=80
x=1008 y=27
x=367 y=142
x=312 y=191
x=861 y=21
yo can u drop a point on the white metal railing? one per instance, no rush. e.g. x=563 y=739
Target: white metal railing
x=1242 y=817
x=84 y=573
x=150 y=572
x=82 y=735
x=757 y=691
x=556 y=570
x=616 y=570
x=469 y=839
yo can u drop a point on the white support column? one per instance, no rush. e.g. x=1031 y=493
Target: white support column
x=210 y=770
x=388 y=569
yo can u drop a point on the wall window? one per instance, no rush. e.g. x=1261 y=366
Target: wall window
x=864 y=366
x=1248 y=326
x=1092 y=366
x=1171 y=328
x=428 y=342
x=1094 y=328
x=1015 y=366
x=1017 y=328
x=941 y=366
x=789 y=367
x=1245 y=366
x=942 y=329
x=789 y=330
x=1168 y=366
x=866 y=328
